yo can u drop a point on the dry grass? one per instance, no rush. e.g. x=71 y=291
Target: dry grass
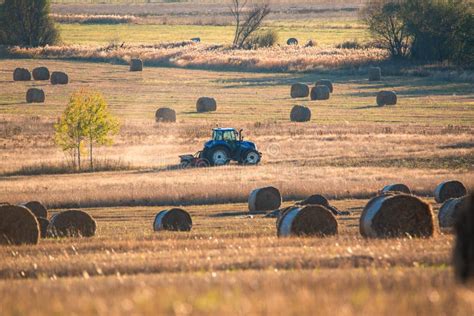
x=189 y=54
x=351 y=147
x=93 y=19
x=230 y=264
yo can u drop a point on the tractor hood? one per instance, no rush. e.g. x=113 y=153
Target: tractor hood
x=243 y=144
x=249 y=145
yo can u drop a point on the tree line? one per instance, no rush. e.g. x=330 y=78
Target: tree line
x=426 y=30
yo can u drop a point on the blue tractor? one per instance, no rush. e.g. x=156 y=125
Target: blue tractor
x=227 y=144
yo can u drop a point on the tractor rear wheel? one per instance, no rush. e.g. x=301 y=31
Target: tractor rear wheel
x=251 y=157
x=219 y=156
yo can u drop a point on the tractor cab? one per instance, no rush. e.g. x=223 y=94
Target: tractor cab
x=225 y=134
x=227 y=144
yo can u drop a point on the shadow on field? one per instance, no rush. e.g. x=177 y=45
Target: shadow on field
x=365 y=107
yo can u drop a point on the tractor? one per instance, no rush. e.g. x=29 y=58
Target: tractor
x=227 y=144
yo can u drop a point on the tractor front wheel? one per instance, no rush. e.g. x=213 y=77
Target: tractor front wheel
x=219 y=156
x=251 y=157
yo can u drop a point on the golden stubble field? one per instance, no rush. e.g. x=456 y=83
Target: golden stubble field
x=232 y=263
x=351 y=148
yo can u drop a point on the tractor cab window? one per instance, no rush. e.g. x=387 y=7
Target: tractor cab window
x=229 y=136
x=217 y=135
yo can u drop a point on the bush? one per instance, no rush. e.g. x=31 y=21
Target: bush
x=262 y=39
x=27 y=23
x=349 y=45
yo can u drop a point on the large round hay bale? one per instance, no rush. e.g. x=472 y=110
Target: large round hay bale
x=320 y=93
x=21 y=74
x=72 y=223
x=396 y=215
x=463 y=257
x=315 y=199
x=396 y=187
x=300 y=113
x=375 y=73
x=41 y=73
x=18 y=226
x=136 y=64
x=37 y=208
x=206 y=104
x=174 y=219
x=310 y=220
x=264 y=199
x=35 y=95
x=299 y=90
x=448 y=190
x=165 y=115
x=292 y=41
x=43 y=225
x=196 y=39
x=449 y=211
x=385 y=97
x=59 y=77
x=325 y=82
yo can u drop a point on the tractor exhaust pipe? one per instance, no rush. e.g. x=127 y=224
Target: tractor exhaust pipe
x=240 y=135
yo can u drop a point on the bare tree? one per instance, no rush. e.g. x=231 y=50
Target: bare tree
x=385 y=20
x=247 y=21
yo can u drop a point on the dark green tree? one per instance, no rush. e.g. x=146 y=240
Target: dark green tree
x=438 y=28
x=27 y=23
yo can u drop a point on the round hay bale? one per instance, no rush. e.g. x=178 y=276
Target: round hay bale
x=35 y=95
x=206 y=104
x=449 y=211
x=300 y=113
x=310 y=220
x=292 y=41
x=58 y=77
x=21 y=74
x=72 y=223
x=448 y=190
x=315 y=199
x=320 y=93
x=325 y=82
x=397 y=187
x=43 y=225
x=41 y=73
x=37 y=208
x=396 y=215
x=174 y=219
x=136 y=64
x=299 y=90
x=18 y=226
x=385 y=97
x=375 y=73
x=196 y=39
x=264 y=199
x=463 y=257
x=165 y=115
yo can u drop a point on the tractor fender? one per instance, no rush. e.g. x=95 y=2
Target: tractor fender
x=216 y=143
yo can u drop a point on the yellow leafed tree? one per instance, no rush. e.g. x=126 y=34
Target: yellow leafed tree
x=85 y=121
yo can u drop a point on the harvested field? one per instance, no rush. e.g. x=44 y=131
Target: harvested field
x=229 y=259
x=225 y=260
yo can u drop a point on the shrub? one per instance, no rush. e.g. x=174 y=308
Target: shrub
x=262 y=39
x=349 y=45
x=27 y=23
